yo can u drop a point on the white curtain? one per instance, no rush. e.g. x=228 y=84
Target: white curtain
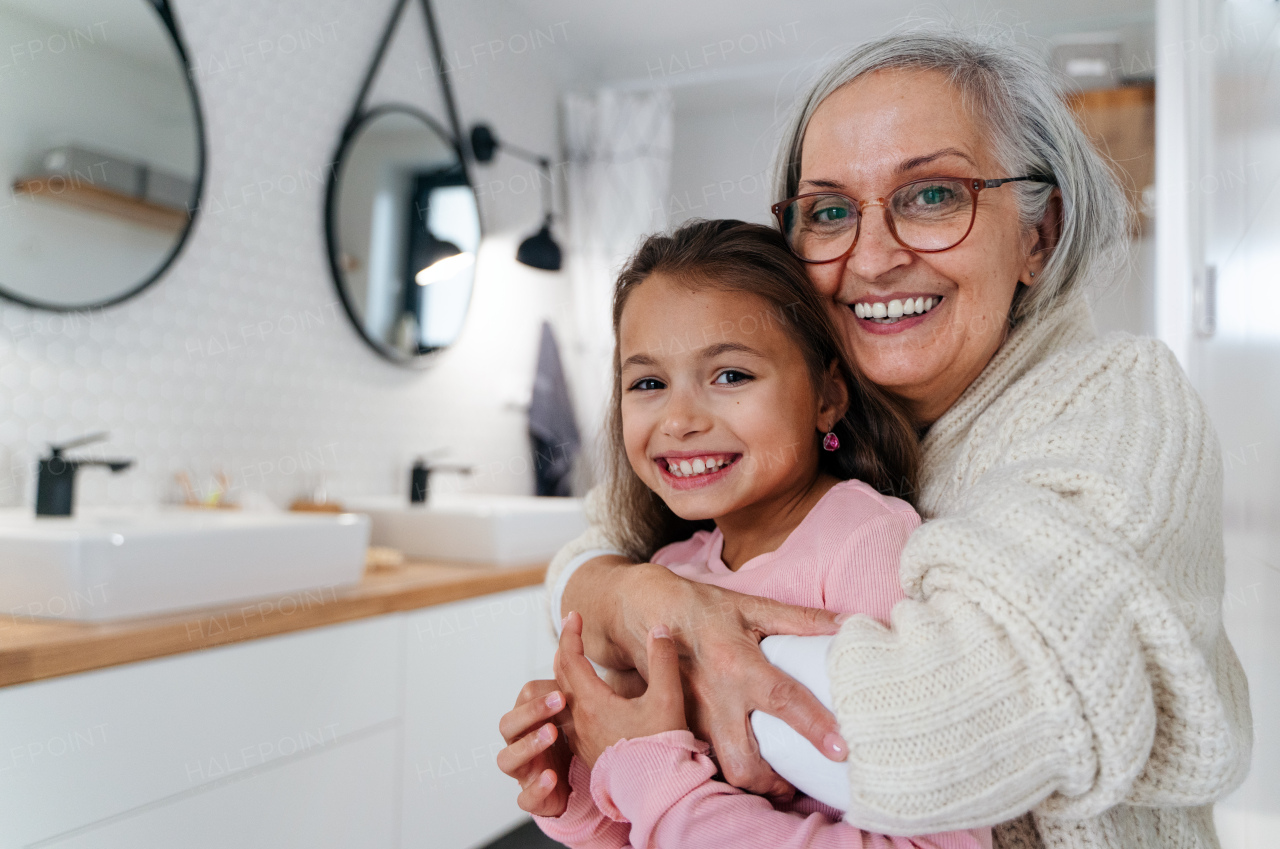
x=619 y=172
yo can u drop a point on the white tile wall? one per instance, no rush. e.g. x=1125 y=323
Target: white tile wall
x=241 y=358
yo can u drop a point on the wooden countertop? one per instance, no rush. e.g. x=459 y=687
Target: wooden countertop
x=32 y=649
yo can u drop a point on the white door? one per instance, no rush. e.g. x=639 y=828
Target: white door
x=1232 y=349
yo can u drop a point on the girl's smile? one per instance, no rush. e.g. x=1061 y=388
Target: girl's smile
x=720 y=413
x=687 y=470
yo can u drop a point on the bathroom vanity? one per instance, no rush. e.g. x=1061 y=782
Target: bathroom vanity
x=364 y=716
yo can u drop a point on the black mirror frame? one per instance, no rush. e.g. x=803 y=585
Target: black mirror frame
x=349 y=136
x=358 y=118
x=165 y=13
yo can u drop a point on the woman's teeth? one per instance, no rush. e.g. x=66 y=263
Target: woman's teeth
x=689 y=468
x=889 y=313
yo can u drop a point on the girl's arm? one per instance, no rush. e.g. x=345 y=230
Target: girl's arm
x=582 y=825
x=554 y=786
x=662 y=785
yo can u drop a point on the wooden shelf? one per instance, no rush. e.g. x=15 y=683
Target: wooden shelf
x=1121 y=122
x=84 y=195
x=34 y=649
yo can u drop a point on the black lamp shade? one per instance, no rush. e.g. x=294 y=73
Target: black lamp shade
x=483 y=142
x=540 y=251
x=432 y=250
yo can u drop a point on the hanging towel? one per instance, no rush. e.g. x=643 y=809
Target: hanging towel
x=552 y=428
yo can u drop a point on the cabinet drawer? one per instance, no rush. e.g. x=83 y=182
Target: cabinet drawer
x=78 y=749
x=342 y=798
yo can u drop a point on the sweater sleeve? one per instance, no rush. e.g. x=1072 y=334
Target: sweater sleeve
x=595 y=538
x=582 y=826
x=1042 y=659
x=663 y=786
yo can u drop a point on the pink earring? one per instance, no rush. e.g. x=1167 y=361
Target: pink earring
x=831 y=442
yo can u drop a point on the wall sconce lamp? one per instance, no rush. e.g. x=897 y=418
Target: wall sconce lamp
x=539 y=250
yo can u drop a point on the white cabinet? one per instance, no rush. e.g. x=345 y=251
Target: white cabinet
x=465 y=664
x=79 y=749
x=375 y=733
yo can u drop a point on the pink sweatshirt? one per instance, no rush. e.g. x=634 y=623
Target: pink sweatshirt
x=660 y=791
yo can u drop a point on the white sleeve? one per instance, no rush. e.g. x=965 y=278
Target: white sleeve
x=593 y=542
x=792 y=756
x=562 y=580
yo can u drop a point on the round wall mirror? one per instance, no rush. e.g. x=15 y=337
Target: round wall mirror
x=403 y=233
x=101 y=148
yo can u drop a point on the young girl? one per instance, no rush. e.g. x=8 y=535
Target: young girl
x=749 y=454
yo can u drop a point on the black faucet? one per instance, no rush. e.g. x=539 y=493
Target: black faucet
x=420 y=479
x=56 y=486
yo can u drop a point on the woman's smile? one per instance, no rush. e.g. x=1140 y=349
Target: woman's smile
x=958 y=298
x=895 y=313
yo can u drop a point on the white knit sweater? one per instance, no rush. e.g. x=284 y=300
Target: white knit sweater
x=1055 y=655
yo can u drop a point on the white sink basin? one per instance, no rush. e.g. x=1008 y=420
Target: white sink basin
x=110 y=565
x=502 y=530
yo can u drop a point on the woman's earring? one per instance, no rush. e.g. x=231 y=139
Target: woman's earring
x=1033 y=274
x=830 y=442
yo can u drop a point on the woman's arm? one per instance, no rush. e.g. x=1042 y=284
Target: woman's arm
x=1048 y=657
x=719 y=632
x=1059 y=650
x=650 y=772
x=790 y=755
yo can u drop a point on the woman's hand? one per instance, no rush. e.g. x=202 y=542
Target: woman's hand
x=718 y=634
x=536 y=754
x=598 y=716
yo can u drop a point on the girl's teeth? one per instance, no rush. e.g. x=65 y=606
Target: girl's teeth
x=697 y=466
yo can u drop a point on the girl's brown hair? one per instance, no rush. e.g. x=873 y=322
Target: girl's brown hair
x=877 y=442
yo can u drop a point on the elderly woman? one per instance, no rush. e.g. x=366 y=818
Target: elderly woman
x=1055 y=667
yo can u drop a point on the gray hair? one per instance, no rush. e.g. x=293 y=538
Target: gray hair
x=1032 y=131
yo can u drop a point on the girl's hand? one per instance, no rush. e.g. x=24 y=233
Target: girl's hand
x=536 y=754
x=598 y=716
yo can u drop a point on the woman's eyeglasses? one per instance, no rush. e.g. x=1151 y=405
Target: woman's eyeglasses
x=927 y=216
